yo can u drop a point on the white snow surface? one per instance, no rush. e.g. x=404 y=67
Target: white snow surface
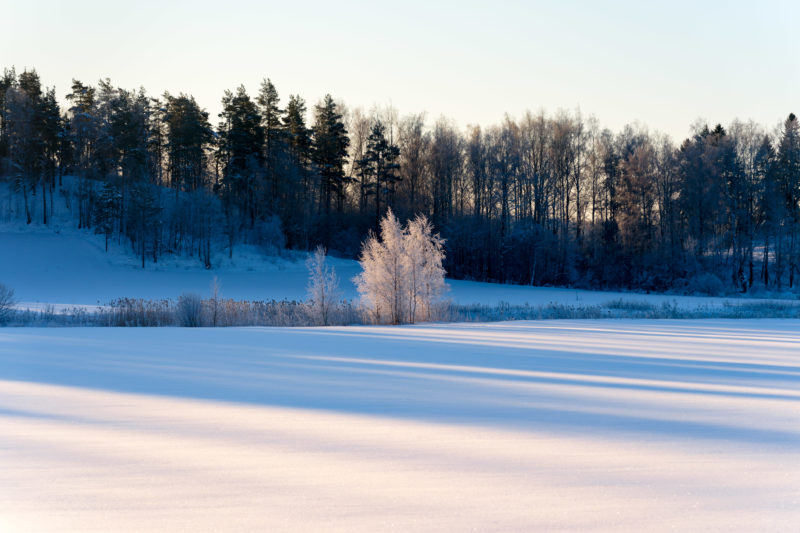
x=613 y=425
x=61 y=266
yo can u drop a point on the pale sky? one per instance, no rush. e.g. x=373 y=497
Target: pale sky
x=623 y=61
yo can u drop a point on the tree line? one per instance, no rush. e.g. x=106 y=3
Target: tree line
x=546 y=199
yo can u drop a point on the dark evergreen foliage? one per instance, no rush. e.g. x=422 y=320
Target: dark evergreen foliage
x=379 y=166
x=329 y=152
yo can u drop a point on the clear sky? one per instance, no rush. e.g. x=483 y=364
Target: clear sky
x=664 y=64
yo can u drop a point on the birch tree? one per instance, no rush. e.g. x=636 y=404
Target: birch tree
x=323 y=286
x=402 y=272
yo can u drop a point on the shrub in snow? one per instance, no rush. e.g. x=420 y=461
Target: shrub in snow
x=402 y=276
x=190 y=310
x=7 y=302
x=137 y=312
x=629 y=305
x=213 y=303
x=270 y=236
x=705 y=283
x=323 y=286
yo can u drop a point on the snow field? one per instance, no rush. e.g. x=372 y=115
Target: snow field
x=558 y=425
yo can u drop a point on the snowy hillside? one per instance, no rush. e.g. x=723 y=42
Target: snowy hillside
x=62 y=265
x=560 y=425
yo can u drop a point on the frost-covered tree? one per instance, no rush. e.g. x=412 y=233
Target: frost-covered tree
x=381 y=284
x=7 y=302
x=402 y=272
x=323 y=286
x=424 y=253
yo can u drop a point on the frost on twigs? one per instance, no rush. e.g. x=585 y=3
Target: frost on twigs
x=190 y=310
x=323 y=286
x=7 y=302
x=402 y=276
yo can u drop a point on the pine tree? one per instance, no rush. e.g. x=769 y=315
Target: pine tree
x=769 y=212
x=32 y=128
x=82 y=123
x=380 y=164
x=188 y=138
x=330 y=152
x=7 y=81
x=52 y=133
x=299 y=208
x=271 y=116
x=108 y=211
x=25 y=129
x=112 y=117
x=297 y=134
x=241 y=152
x=83 y=126
x=788 y=175
x=145 y=220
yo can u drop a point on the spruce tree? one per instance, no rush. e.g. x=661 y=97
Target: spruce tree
x=298 y=135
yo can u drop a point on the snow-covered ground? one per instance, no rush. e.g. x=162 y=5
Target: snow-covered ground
x=63 y=266
x=546 y=426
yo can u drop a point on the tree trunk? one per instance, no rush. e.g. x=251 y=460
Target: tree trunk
x=25 y=199
x=44 y=202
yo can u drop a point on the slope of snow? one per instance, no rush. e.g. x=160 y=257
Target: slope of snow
x=559 y=425
x=70 y=267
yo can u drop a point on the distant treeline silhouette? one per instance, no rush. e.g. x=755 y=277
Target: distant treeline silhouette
x=542 y=200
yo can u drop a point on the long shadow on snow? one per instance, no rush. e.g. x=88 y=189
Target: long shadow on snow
x=378 y=372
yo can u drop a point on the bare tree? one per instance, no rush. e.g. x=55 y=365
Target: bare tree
x=7 y=302
x=323 y=286
x=215 y=301
x=414 y=143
